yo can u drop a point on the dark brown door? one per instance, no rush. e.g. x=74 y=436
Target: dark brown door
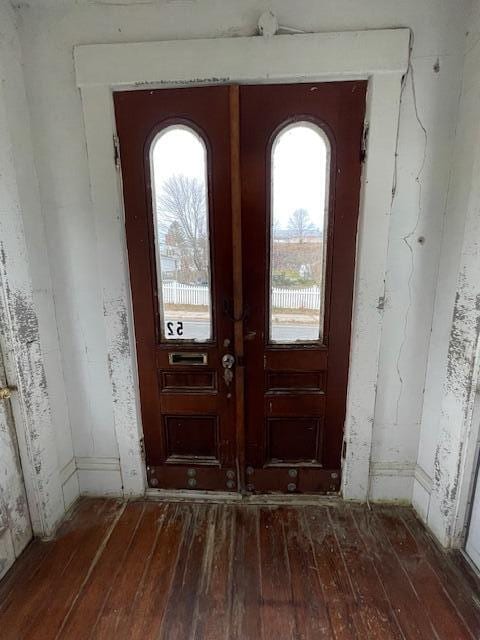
x=301 y=165
x=175 y=157
x=286 y=160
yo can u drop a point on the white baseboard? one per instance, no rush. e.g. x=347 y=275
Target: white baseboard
x=391 y=482
x=69 y=481
x=99 y=476
x=423 y=478
x=97 y=464
x=422 y=489
x=67 y=471
x=90 y=476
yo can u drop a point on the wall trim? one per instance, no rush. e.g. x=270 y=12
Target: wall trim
x=97 y=464
x=381 y=56
x=422 y=477
x=392 y=469
x=67 y=471
x=306 y=56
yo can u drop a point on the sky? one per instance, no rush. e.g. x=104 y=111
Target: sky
x=299 y=163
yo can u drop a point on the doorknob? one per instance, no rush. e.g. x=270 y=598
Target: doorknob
x=228 y=361
x=6 y=392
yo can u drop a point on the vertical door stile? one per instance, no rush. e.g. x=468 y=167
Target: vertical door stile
x=238 y=310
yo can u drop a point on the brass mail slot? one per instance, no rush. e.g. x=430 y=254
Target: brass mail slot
x=180 y=357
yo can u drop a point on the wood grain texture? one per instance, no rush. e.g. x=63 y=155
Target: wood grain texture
x=154 y=570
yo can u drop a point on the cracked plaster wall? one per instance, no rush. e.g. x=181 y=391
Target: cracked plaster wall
x=49 y=29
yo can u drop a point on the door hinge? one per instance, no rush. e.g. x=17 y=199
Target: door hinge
x=344 y=449
x=363 y=145
x=142 y=448
x=116 y=152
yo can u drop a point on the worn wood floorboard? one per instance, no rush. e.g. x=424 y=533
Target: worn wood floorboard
x=454 y=577
x=374 y=608
x=121 y=594
x=148 y=570
x=333 y=576
x=246 y=619
x=436 y=603
x=42 y=603
x=408 y=608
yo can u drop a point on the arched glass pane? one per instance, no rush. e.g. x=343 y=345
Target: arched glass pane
x=299 y=201
x=180 y=204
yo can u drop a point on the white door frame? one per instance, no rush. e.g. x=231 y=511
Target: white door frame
x=381 y=56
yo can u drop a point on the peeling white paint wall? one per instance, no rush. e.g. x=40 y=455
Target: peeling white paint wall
x=48 y=31
x=28 y=337
x=15 y=527
x=448 y=434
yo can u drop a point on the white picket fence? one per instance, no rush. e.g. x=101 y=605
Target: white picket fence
x=307 y=298
x=187 y=294
x=282 y=298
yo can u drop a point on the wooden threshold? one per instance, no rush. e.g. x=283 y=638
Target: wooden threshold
x=219 y=497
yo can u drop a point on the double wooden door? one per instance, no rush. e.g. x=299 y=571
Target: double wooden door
x=241 y=208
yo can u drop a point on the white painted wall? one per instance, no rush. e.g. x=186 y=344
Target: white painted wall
x=449 y=424
x=29 y=335
x=48 y=31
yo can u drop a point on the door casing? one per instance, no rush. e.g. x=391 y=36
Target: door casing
x=381 y=56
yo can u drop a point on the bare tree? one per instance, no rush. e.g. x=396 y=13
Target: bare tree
x=299 y=224
x=183 y=217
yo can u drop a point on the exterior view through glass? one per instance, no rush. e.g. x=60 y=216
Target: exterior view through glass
x=180 y=204
x=299 y=208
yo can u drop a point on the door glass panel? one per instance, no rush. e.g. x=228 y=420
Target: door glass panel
x=299 y=209
x=180 y=203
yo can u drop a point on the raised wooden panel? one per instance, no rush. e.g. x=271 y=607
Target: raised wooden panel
x=188 y=403
x=191 y=438
x=288 y=404
x=293 y=440
x=296 y=358
x=295 y=381
x=193 y=381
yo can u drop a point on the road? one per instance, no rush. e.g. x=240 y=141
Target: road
x=198 y=330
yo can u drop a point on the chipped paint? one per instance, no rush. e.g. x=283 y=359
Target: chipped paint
x=457 y=406
x=20 y=338
x=16 y=529
x=123 y=392
x=457 y=434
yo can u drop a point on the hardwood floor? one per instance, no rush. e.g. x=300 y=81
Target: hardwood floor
x=180 y=570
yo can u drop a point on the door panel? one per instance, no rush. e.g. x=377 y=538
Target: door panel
x=15 y=528
x=187 y=407
x=297 y=378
